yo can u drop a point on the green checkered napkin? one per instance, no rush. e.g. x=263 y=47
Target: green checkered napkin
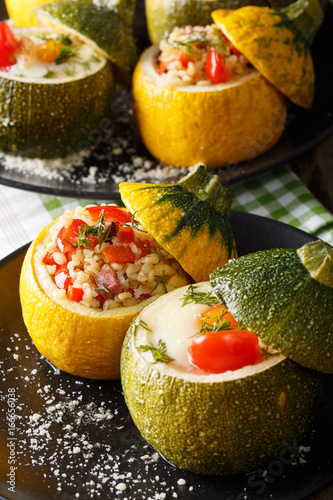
x=278 y=194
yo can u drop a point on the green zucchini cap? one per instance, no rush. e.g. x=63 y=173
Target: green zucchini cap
x=285 y=296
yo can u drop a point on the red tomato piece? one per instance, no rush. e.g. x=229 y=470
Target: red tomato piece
x=112 y=214
x=8 y=45
x=126 y=234
x=143 y=296
x=48 y=259
x=224 y=350
x=119 y=254
x=144 y=246
x=216 y=70
x=183 y=59
x=67 y=237
x=62 y=277
x=74 y=294
x=236 y=52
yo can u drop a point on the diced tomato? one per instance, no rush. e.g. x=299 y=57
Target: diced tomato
x=126 y=234
x=48 y=259
x=62 y=277
x=144 y=247
x=223 y=350
x=112 y=214
x=144 y=296
x=235 y=51
x=74 y=294
x=120 y=254
x=216 y=70
x=67 y=238
x=100 y=299
x=8 y=45
x=182 y=57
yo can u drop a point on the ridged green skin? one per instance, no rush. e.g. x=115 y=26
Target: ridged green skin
x=51 y=120
x=103 y=26
x=272 y=294
x=164 y=15
x=222 y=427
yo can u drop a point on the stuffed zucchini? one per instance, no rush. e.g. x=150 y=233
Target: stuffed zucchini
x=84 y=279
x=197 y=99
x=205 y=392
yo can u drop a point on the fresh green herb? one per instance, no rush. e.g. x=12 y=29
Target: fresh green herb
x=149 y=250
x=85 y=65
x=221 y=46
x=220 y=324
x=49 y=74
x=162 y=279
x=69 y=72
x=205 y=298
x=102 y=287
x=188 y=43
x=159 y=353
x=134 y=224
x=65 y=54
x=139 y=322
x=266 y=353
x=65 y=39
x=99 y=231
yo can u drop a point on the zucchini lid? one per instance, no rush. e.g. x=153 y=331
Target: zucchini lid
x=277 y=43
x=189 y=219
x=285 y=296
x=97 y=25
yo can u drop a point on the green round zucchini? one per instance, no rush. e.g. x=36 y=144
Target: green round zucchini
x=214 y=423
x=285 y=296
x=52 y=117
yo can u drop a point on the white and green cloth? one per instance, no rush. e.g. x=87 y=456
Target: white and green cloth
x=278 y=194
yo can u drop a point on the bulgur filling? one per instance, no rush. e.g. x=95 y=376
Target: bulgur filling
x=198 y=55
x=101 y=257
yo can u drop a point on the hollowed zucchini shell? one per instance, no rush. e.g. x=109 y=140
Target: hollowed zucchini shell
x=52 y=119
x=78 y=340
x=216 y=423
x=286 y=297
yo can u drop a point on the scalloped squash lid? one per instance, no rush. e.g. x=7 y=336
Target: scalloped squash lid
x=277 y=43
x=286 y=297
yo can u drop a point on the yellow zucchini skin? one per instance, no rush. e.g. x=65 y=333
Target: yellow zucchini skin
x=218 y=126
x=189 y=219
x=53 y=119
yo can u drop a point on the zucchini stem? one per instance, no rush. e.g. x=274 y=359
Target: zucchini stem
x=207 y=187
x=317 y=258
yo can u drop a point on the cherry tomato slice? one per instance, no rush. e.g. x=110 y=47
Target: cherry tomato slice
x=126 y=234
x=216 y=70
x=49 y=51
x=224 y=350
x=48 y=259
x=112 y=214
x=8 y=45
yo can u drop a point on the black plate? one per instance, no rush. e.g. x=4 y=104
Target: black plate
x=79 y=459
x=305 y=129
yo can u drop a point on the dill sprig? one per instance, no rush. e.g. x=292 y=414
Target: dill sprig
x=139 y=322
x=134 y=224
x=159 y=353
x=162 y=279
x=205 y=298
x=101 y=286
x=99 y=230
x=219 y=324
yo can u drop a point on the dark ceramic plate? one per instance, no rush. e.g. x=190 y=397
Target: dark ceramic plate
x=304 y=130
x=67 y=436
